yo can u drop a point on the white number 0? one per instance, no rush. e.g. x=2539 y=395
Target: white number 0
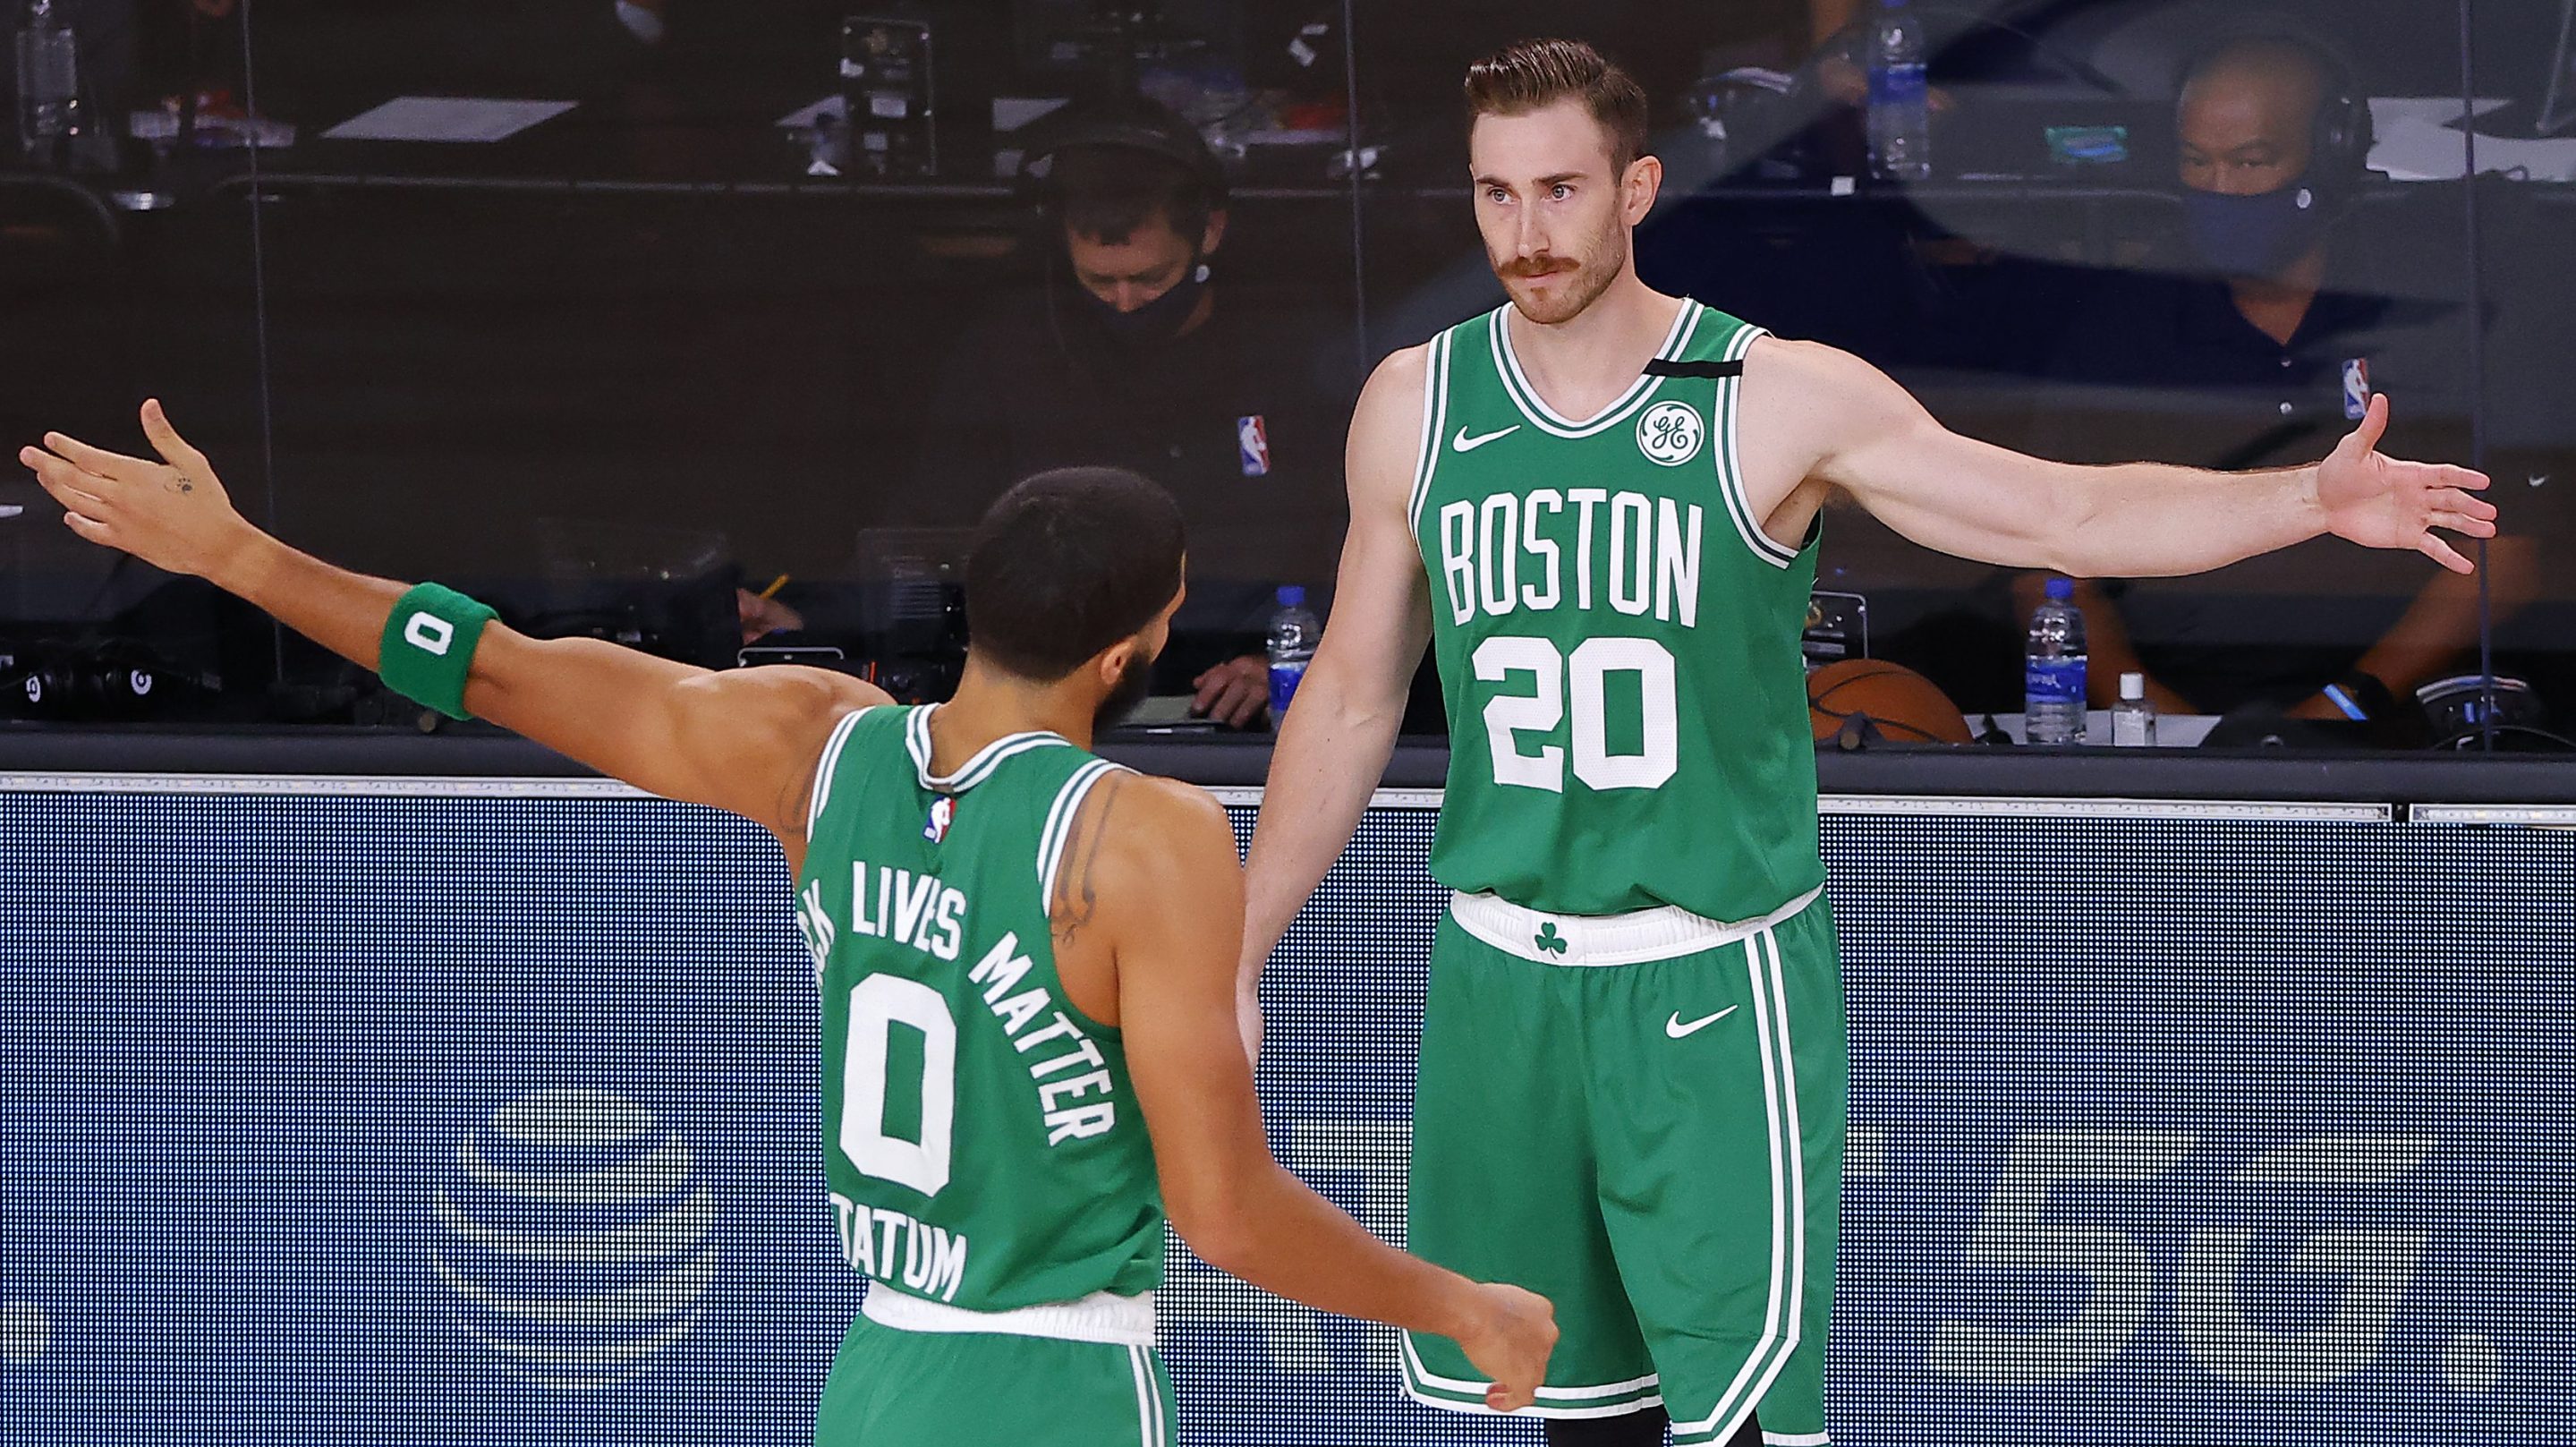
x=1507 y=716
x=875 y=1005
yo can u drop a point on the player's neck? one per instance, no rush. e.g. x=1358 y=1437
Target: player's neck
x=991 y=704
x=1603 y=346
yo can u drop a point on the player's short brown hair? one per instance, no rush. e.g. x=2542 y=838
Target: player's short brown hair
x=1536 y=74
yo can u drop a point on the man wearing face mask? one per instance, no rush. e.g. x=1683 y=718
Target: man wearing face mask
x=2252 y=347
x=1138 y=348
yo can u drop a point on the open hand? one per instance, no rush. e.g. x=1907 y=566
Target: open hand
x=173 y=514
x=2387 y=502
x=1511 y=1344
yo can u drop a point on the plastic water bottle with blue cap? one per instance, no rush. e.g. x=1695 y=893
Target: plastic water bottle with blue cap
x=1294 y=628
x=2053 y=669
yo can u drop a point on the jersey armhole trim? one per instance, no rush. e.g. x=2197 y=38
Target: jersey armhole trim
x=1435 y=419
x=1730 y=461
x=825 y=770
x=1059 y=825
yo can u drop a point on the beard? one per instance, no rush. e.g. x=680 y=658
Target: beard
x=1129 y=692
x=1588 y=274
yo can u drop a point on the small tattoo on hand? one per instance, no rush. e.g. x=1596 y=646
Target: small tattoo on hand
x=180 y=484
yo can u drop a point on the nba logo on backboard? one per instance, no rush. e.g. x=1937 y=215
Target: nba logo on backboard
x=2356 y=388
x=943 y=812
x=1252 y=439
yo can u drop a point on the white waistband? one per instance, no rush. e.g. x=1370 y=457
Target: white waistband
x=1099 y=1317
x=1607 y=939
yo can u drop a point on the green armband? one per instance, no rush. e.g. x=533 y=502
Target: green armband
x=429 y=646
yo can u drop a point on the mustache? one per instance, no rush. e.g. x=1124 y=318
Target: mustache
x=1541 y=265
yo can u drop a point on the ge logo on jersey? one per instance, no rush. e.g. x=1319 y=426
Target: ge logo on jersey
x=1670 y=433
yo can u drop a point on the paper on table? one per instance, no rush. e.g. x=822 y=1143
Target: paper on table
x=2420 y=150
x=446 y=118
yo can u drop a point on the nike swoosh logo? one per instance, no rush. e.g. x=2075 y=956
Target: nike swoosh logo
x=1676 y=1029
x=1464 y=443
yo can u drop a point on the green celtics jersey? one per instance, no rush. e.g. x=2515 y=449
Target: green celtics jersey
x=1618 y=638
x=981 y=1139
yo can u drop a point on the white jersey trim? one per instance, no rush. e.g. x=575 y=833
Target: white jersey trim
x=823 y=772
x=1547 y=419
x=1059 y=824
x=1099 y=1317
x=1435 y=418
x=977 y=769
x=1730 y=457
x=1608 y=939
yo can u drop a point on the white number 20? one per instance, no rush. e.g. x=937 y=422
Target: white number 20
x=1581 y=680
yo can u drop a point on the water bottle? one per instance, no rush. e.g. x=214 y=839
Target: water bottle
x=2053 y=670
x=1900 y=126
x=1293 y=631
x=2133 y=718
x=48 y=81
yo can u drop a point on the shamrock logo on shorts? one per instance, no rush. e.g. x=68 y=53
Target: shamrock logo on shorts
x=1549 y=940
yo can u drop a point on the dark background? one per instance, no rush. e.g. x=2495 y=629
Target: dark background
x=643 y=316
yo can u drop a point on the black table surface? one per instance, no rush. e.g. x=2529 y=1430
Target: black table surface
x=2268 y=776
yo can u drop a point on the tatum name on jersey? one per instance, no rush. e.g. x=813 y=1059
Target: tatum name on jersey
x=1617 y=637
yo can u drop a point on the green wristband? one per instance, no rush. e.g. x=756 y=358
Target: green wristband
x=429 y=646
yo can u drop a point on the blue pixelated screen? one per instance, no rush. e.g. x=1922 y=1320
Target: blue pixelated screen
x=376 y=1114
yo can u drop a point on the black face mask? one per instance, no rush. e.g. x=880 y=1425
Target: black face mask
x=2255 y=235
x=1159 y=320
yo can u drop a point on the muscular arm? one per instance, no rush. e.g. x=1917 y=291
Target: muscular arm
x=1830 y=418
x=742 y=741
x=1333 y=746
x=1164 y=889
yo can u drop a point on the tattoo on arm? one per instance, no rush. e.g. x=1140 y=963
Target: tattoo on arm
x=1076 y=897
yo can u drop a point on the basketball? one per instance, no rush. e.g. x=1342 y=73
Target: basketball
x=1905 y=705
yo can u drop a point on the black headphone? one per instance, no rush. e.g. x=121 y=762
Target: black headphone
x=1134 y=123
x=2340 y=141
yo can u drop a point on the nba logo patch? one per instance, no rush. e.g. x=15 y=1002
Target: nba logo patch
x=2356 y=388
x=1252 y=440
x=943 y=813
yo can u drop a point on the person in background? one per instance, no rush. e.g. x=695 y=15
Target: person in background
x=2266 y=336
x=1135 y=352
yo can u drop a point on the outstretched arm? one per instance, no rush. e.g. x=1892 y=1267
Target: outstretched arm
x=1832 y=417
x=744 y=741
x=1334 y=743
x=1170 y=898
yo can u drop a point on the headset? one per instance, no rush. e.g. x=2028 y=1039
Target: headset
x=1132 y=123
x=2339 y=144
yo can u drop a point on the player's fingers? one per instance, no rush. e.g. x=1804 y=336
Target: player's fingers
x=2454 y=501
x=2444 y=554
x=2374 y=422
x=1242 y=702
x=165 y=439
x=114 y=466
x=63 y=482
x=88 y=527
x=2465 y=525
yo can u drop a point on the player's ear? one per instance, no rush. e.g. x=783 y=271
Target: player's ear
x=1644 y=181
x=1215 y=234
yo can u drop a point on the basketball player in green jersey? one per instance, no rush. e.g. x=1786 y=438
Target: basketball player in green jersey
x=1025 y=953
x=1601 y=505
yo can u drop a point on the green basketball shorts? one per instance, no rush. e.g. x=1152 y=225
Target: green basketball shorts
x=1082 y=1374
x=1640 y=1116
